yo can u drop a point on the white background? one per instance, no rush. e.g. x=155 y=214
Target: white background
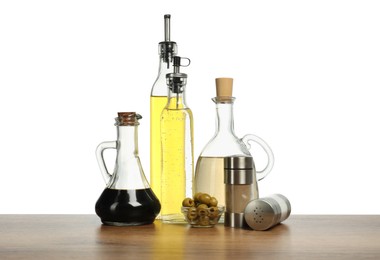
x=306 y=81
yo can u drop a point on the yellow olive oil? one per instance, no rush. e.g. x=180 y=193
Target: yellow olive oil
x=177 y=159
x=157 y=104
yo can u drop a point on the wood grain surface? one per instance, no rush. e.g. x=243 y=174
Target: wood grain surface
x=83 y=237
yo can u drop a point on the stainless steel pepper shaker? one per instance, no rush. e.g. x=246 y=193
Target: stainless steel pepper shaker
x=264 y=213
x=241 y=188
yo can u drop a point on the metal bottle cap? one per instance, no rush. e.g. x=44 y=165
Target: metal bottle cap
x=177 y=80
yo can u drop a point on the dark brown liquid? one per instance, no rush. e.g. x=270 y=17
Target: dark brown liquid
x=127 y=207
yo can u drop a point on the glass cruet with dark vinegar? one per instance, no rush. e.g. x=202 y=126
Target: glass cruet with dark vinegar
x=127 y=199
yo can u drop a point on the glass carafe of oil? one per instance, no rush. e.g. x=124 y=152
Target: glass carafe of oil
x=177 y=147
x=209 y=172
x=127 y=199
x=167 y=49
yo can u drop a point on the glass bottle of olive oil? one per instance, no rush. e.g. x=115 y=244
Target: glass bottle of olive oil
x=177 y=147
x=158 y=99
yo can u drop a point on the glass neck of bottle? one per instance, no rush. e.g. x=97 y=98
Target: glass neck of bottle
x=166 y=50
x=176 y=99
x=224 y=116
x=128 y=173
x=127 y=146
x=165 y=65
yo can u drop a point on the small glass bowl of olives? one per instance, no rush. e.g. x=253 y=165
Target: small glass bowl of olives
x=202 y=210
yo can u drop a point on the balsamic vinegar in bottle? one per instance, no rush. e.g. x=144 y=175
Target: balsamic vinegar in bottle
x=127 y=199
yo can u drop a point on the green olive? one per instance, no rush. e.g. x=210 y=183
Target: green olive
x=214 y=212
x=205 y=198
x=204 y=206
x=192 y=213
x=197 y=196
x=201 y=211
x=213 y=202
x=188 y=202
x=204 y=221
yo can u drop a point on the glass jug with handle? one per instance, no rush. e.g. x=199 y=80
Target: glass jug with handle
x=127 y=199
x=209 y=172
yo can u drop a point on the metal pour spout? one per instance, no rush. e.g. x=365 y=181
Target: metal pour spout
x=167 y=27
x=167 y=48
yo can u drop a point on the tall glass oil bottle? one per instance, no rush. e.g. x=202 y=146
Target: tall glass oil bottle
x=209 y=172
x=158 y=99
x=177 y=147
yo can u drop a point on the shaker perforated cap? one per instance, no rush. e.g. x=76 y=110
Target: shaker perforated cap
x=261 y=214
x=264 y=213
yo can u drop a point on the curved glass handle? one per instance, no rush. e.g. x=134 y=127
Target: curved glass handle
x=260 y=174
x=99 y=156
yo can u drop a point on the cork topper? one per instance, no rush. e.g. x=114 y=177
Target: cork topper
x=224 y=87
x=127 y=118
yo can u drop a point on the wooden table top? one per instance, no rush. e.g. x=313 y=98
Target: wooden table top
x=83 y=237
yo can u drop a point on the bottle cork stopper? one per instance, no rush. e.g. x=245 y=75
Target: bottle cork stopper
x=127 y=118
x=224 y=87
